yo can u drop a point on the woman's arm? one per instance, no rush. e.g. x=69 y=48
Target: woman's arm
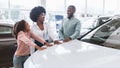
x=34 y=36
x=39 y=39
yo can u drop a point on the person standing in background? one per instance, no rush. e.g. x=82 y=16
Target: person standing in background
x=70 y=27
x=23 y=34
x=41 y=28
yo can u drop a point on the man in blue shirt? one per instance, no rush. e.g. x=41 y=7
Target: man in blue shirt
x=70 y=28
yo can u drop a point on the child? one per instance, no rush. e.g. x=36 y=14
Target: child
x=23 y=34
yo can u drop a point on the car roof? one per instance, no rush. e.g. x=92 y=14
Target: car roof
x=6 y=23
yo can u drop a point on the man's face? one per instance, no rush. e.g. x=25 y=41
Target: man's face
x=70 y=11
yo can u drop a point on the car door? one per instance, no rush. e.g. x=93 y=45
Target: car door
x=7 y=46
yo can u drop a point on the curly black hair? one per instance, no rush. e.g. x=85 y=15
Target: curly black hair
x=35 y=12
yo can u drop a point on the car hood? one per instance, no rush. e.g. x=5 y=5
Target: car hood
x=75 y=54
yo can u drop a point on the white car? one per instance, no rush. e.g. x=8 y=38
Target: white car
x=98 y=49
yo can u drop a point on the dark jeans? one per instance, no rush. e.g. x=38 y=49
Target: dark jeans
x=18 y=61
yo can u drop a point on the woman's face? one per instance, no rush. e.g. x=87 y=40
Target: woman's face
x=41 y=17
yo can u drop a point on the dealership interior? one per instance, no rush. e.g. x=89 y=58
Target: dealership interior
x=96 y=46
x=20 y=9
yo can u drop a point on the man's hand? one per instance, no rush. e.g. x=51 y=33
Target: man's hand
x=67 y=39
x=57 y=42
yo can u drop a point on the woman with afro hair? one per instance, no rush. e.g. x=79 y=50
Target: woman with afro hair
x=41 y=28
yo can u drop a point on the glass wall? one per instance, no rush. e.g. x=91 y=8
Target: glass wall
x=54 y=7
x=16 y=9
x=19 y=9
x=95 y=7
x=84 y=8
x=112 y=6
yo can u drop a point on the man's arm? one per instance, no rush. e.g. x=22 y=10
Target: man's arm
x=77 y=31
x=61 y=32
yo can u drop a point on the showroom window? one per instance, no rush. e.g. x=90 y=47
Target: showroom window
x=112 y=6
x=95 y=7
x=4 y=9
x=17 y=10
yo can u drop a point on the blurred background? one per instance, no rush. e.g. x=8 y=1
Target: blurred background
x=15 y=10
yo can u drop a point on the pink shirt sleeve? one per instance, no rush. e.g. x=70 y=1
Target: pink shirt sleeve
x=25 y=39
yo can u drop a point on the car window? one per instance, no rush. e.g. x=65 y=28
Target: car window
x=106 y=34
x=102 y=20
x=102 y=34
x=5 y=30
x=113 y=40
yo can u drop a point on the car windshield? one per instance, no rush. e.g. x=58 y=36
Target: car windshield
x=106 y=35
x=5 y=30
x=92 y=23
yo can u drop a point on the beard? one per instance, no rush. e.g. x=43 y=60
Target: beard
x=70 y=16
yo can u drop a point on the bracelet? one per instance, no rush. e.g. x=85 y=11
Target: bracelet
x=45 y=43
x=70 y=38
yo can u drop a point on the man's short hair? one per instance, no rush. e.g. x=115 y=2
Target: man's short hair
x=72 y=7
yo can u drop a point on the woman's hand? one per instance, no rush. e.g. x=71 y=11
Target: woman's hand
x=47 y=44
x=42 y=48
